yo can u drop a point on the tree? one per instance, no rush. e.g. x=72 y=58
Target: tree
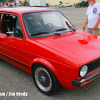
x=6 y=0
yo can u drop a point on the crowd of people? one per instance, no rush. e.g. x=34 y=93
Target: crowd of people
x=7 y=4
x=11 y=4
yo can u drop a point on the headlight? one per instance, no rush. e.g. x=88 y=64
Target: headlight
x=83 y=70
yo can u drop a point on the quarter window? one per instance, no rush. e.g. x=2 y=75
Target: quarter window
x=10 y=23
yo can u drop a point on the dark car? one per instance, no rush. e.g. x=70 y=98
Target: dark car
x=82 y=4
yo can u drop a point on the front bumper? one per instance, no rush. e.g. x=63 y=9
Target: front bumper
x=86 y=80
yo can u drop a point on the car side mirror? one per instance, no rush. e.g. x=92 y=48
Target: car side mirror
x=11 y=33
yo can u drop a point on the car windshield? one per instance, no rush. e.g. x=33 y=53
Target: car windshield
x=42 y=24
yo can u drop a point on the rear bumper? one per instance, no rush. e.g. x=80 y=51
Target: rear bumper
x=86 y=80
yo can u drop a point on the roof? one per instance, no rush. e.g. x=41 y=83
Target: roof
x=25 y=9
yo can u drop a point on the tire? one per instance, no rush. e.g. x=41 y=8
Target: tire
x=45 y=80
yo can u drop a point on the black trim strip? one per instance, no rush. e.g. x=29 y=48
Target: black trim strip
x=15 y=60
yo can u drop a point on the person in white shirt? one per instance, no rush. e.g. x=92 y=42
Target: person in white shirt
x=93 y=18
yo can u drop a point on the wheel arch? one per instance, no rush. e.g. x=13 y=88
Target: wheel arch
x=45 y=63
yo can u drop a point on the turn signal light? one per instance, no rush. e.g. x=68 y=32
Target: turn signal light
x=84 y=82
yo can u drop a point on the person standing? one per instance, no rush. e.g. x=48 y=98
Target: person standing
x=7 y=4
x=93 y=17
x=3 y=4
x=15 y=4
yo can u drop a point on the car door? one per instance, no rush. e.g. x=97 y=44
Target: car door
x=12 y=47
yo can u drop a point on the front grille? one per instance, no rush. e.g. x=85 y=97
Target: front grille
x=93 y=65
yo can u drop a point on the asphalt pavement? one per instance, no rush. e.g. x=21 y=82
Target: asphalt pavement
x=15 y=81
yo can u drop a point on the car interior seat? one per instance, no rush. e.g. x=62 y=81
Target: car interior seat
x=7 y=24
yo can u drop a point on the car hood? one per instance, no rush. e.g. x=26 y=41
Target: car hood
x=78 y=45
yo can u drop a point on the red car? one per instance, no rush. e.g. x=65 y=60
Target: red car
x=42 y=42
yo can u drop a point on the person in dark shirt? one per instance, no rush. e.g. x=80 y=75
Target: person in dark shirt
x=7 y=4
x=15 y=4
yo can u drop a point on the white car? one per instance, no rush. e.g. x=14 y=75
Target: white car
x=66 y=4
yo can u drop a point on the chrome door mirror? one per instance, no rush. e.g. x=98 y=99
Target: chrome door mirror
x=11 y=33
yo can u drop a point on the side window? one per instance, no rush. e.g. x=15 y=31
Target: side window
x=18 y=31
x=8 y=23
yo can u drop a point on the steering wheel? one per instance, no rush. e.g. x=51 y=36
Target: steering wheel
x=49 y=26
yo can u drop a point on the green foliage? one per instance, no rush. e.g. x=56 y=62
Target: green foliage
x=10 y=0
x=6 y=0
x=2 y=0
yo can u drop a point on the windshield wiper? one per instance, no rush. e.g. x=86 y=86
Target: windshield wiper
x=62 y=29
x=40 y=33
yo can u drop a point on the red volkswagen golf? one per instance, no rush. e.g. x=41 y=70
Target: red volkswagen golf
x=45 y=44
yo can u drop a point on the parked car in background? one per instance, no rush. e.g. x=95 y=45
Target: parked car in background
x=82 y=3
x=66 y=4
x=44 y=43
